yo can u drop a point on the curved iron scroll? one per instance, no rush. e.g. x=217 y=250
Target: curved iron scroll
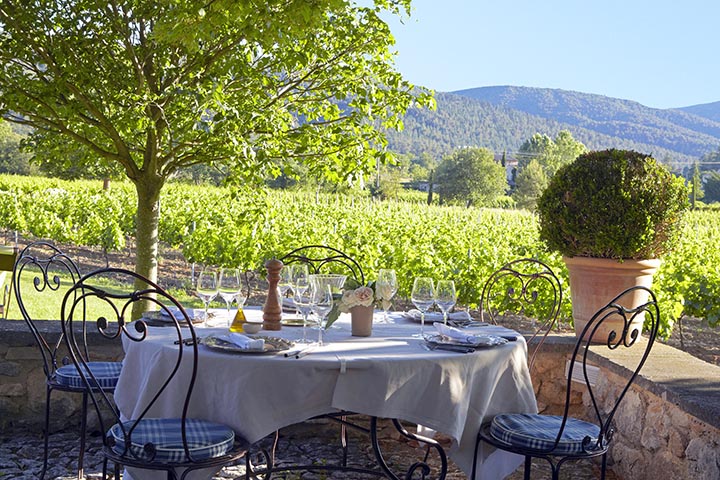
x=526 y=287
x=417 y=470
x=317 y=257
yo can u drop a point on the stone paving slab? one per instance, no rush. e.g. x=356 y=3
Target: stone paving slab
x=21 y=456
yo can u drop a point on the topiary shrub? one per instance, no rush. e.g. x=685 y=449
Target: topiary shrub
x=616 y=204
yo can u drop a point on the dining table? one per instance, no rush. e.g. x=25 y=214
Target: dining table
x=391 y=374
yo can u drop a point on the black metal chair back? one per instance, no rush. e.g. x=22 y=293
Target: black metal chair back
x=558 y=439
x=622 y=335
x=321 y=258
x=44 y=273
x=108 y=295
x=42 y=276
x=526 y=287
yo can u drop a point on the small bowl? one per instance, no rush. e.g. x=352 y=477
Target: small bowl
x=252 y=327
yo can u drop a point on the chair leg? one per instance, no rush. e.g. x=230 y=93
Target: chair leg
x=603 y=466
x=526 y=470
x=46 y=431
x=478 y=439
x=344 y=440
x=83 y=427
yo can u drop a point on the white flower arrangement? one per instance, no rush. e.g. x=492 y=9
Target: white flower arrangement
x=364 y=296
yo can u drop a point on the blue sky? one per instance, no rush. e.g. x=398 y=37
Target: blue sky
x=660 y=53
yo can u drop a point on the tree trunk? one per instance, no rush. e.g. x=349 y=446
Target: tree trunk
x=147 y=220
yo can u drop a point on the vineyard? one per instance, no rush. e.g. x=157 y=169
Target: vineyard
x=220 y=226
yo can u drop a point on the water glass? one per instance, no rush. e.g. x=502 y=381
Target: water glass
x=207 y=289
x=386 y=287
x=321 y=304
x=229 y=288
x=303 y=303
x=423 y=297
x=445 y=297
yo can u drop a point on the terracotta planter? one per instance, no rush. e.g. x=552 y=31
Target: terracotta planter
x=595 y=281
x=361 y=319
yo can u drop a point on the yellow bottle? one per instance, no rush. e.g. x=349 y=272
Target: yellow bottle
x=238 y=321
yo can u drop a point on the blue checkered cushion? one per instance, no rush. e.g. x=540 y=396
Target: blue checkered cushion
x=538 y=432
x=106 y=374
x=205 y=440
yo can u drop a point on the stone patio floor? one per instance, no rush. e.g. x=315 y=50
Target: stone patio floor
x=21 y=456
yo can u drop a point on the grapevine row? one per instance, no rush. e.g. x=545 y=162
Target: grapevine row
x=218 y=226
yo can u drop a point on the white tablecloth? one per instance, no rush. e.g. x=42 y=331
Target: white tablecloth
x=388 y=375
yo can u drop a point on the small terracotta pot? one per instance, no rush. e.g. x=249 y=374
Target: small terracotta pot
x=361 y=319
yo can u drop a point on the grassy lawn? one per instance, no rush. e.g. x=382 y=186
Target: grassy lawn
x=46 y=305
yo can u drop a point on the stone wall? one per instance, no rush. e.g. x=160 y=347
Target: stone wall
x=667 y=427
x=22 y=380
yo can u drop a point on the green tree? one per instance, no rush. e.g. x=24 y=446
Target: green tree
x=471 y=175
x=696 y=185
x=529 y=185
x=157 y=86
x=550 y=153
x=712 y=187
x=12 y=158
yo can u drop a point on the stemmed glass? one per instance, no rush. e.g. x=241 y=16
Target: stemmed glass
x=206 y=289
x=230 y=288
x=300 y=285
x=285 y=283
x=386 y=288
x=445 y=297
x=321 y=304
x=423 y=297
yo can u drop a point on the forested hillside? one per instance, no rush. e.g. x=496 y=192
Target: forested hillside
x=708 y=110
x=501 y=118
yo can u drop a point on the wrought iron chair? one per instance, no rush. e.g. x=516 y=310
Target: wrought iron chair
x=326 y=259
x=321 y=258
x=560 y=438
x=175 y=445
x=47 y=273
x=525 y=287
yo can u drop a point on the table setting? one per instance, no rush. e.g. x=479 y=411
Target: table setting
x=447 y=375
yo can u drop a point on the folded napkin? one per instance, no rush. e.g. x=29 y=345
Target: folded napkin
x=459 y=316
x=246 y=343
x=191 y=313
x=460 y=336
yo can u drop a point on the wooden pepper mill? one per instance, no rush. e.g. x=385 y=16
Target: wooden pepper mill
x=272 y=310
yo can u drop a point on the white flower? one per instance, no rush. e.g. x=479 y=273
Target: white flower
x=364 y=296
x=360 y=296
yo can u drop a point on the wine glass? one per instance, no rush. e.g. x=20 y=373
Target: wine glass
x=207 y=289
x=321 y=304
x=423 y=297
x=445 y=297
x=386 y=288
x=285 y=283
x=303 y=304
x=300 y=285
x=230 y=287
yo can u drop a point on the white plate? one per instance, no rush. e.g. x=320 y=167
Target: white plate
x=481 y=341
x=221 y=343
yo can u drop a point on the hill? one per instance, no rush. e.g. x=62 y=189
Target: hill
x=710 y=111
x=501 y=118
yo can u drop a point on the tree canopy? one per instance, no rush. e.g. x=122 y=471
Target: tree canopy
x=529 y=185
x=550 y=153
x=152 y=87
x=471 y=175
